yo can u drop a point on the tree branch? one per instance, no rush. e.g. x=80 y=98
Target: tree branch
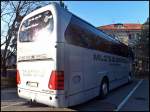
x=6 y=14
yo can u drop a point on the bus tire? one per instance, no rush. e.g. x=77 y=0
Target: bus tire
x=104 y=88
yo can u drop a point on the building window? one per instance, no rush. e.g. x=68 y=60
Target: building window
x=119 y=25
x=129 y=36
x=138 y=36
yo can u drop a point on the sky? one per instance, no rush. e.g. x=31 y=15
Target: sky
x=100 y=13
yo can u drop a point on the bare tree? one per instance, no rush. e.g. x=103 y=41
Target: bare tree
x=142 y=50
x=12 y=13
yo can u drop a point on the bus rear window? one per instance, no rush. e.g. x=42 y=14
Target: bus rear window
x=35 y=24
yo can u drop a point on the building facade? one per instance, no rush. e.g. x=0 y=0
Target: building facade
x=130 y=34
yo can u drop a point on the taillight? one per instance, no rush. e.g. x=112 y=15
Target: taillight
x=18 y=77
x=56 y=80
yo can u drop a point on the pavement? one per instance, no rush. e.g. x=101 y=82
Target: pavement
x=129 y=97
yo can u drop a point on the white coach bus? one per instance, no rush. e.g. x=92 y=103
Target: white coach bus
x=64 y=61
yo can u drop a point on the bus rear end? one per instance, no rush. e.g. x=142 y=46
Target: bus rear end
x=37 y=77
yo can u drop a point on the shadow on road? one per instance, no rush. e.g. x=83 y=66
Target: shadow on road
x=94 y=104
x=33 y=104
x=97 y=104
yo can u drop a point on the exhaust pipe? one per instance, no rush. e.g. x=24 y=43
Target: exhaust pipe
x=32 y=101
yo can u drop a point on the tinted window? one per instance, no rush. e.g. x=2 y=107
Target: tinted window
x=34 y=25
x=81 y=34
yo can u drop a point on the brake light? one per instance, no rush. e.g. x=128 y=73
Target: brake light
x=18 y=77
x=56 y=81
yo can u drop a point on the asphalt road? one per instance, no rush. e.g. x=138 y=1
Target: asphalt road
x=129 y=97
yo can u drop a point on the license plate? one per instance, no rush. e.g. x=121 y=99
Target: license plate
x=32 y=84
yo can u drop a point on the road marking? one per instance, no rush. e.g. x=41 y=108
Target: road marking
x=124 y=101
x=11 y=105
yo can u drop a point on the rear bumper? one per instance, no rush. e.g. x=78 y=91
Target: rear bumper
x=44 y=98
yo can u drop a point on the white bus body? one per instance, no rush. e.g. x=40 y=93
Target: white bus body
x=54 y=72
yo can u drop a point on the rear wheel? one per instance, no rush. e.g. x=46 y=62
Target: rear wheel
x=104 y=89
